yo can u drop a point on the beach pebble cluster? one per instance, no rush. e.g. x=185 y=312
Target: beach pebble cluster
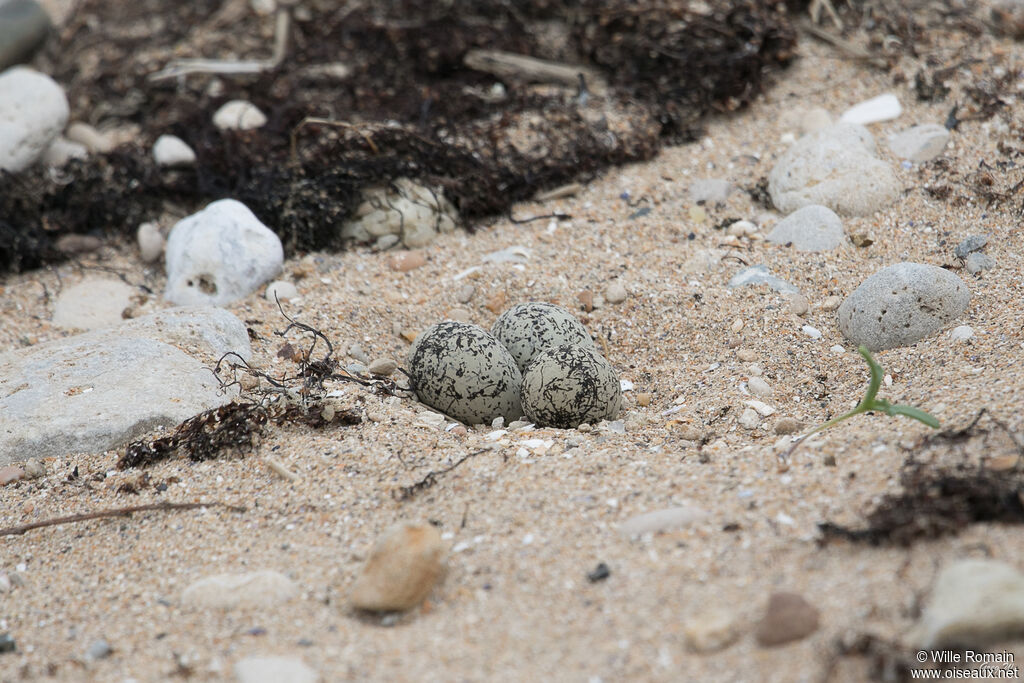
x=405 y=212
x=537 y=360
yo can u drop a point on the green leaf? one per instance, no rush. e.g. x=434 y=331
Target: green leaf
x=916 y=413
x=876 y=375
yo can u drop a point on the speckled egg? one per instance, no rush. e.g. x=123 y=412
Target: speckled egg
x=568 y=385
x=527 y=329
x=463 y=371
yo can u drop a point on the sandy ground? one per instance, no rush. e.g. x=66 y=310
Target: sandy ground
x=516 y=603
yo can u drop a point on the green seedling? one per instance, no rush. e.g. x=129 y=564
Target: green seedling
x=869 y=403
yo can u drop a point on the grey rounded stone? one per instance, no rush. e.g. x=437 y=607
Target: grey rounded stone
x=463 y=371
x=529 y=328
x=835 y=167
x=902 y=304
x=569 y=385
x=920 y=143
x=812 y=228
x=26 y=25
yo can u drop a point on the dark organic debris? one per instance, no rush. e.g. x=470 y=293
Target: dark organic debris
x=886 y=660
x=599 y=573
x=241 y=424
x=938 y=500
x=431 y=478
x=413 y=106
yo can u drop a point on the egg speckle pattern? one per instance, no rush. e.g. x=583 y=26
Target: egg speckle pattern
x=529 y=328
x=569 y=385
x=463 y=371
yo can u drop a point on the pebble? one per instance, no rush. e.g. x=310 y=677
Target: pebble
x=658 y=521
x=971 y=244
x=274 y=669
x=61 y=151
x=710 y=190
x=747 y=355
x=975 y=603
x=465 y=294
x=170 y=150
x=7 y=643
x=812 y=332
x=961 y=333
x=405 y=261
x=831 y=303
x=788 y=617
x=402 y=569
x=762 y=409
x=882 y=108
x=385 y=242
x=567 y=385
x=99 y=649
x=219 y=255
x=465 y=372
x=902 y=304
x=92 y=303
x=90 y=138
x=759 y=275
x=26 y=25
x=250 y=589
x=356 y=351
x=798 y=304
x=383 y=367
x=281 y=290
x=920 y=143
x=33 y=112
x=834 y=167
x=742 y=228
x=75 y=243
x=689 y=432
x=34 y=469
x=11 y=474
x=615 y=293
x=414 y=213
x=711 y=630
x=787 y=425
x=749 y=419
x=151 y=242
x=239 y=115
x=977 y=262
x=758 y=387
x=815 y=119
x=811 y=228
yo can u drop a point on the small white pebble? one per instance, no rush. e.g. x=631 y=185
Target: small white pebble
x=961 y=333
x=837 y=348
x=811 y=332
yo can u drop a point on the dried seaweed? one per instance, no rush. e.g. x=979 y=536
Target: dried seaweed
x=937 y=500
x=240 y=426
x=411 y=106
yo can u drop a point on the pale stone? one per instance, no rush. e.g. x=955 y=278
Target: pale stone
x=658 y=521
x=33 y=112
x=91 y=304
x=230 y=591
x=170 y=150
x=239 y=115
x=882 y=108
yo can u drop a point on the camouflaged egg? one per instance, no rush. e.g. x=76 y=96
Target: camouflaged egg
x=569 y=385
x=527 y=329
x=463 y=371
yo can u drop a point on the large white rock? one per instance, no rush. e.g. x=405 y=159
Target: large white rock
x=219 y=255
x=93 y=394
x=902 y=304
x=33 y=112
x=835 y=167
x=974 y=604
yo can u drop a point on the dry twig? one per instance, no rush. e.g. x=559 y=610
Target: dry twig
x=115 y=512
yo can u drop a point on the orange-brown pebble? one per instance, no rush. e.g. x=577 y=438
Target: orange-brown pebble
x=408 y=260
x=402 y=569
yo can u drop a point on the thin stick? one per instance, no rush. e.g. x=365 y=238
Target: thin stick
x=116 y=512
x=230 y=67
x=407 y=492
